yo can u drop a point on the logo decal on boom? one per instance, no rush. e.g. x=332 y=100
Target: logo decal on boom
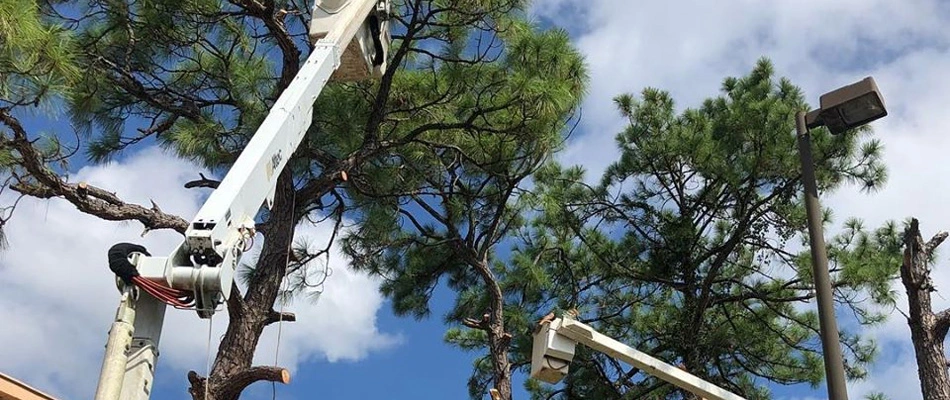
x=274 y=161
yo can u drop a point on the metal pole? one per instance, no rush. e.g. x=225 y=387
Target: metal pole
x=830 y=343
x=143 y=355
x=120 y=340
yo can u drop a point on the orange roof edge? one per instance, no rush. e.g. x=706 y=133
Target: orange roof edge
x=13 y=389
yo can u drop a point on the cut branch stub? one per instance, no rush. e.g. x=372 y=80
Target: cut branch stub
x=230 y=388
x=274 y=317
x=202 y=183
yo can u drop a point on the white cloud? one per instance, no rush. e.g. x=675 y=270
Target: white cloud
x=688 y=46
x=896 y=379
x=59 y=297
x=342 y=317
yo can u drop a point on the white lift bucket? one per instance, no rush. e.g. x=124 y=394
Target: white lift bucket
x=365 y=56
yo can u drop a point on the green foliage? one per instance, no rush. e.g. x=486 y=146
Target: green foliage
x=436 y=210
x=37 y=60
x=868 y=260
x=202 y=80
x=453 y=181
x=38 y=70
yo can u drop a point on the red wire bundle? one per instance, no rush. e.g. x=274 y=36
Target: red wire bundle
x=174 y=297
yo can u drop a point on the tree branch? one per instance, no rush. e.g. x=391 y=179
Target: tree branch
x=87 y=198
x=232 y=387
x=274 y=317
x=290 y=54
x=942 y=325
x=473 y=323
x=155 y=98
x=934 y=242
x=203 y=182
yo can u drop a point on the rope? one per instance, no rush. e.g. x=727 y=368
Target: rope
x=211 y=317
x=208 y=356
x=283 y=284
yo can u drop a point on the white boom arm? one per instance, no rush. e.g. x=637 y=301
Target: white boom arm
x=215 y=239
x=553 y=351
x=204 y=263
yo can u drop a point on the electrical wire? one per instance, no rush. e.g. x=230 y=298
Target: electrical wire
x=180 y=299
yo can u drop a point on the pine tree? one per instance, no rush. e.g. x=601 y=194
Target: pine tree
x=445 y=205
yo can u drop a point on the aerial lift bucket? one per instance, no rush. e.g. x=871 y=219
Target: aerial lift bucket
x=365 y=56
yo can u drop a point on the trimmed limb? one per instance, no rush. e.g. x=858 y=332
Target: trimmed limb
x=197 y=389
x=203 y=182
x=942 y=325
x=934 y=242
x=274 y=317
x=232 y=386
x=481 y=324
x=45 y=184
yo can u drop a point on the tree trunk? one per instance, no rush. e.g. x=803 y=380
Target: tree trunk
x=927 y=330
x=498 y=342
x=232 y=370
x=498 y=339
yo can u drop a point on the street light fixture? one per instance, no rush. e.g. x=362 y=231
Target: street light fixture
x=841 y=110
x=848 y=107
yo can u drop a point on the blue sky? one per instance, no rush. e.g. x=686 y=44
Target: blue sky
x=349 y=345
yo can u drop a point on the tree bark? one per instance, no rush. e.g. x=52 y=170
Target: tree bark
x=928 y=330
x=498 y=342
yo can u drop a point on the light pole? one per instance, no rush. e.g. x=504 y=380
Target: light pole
x=842 y=109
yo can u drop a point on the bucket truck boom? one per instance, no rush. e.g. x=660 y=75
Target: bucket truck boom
x=553 y=350
x=351 y=41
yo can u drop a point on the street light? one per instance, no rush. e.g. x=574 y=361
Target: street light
x=841 y=110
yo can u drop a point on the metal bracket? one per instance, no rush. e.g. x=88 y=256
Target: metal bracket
x=382 y=10
x=813 y=119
